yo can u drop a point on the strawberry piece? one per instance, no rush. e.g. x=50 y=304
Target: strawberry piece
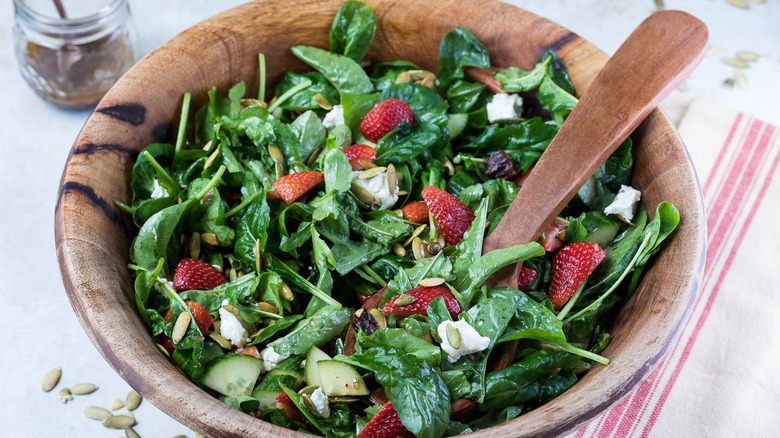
x=202 y=316
x=570 y=267
x=362 y=297
x=384 y=117
x=293 y=186
x=526 y=277
x=251 y=351
x=359 y=152
x=167 y=344
x=451 y=215
x=550 y=240
x=484 y=75
x=385 y=424
x=193 y=274
x=416 y=212
x=286 y=404
x=424 y=297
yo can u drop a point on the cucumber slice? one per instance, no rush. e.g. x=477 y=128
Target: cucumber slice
x=340 y=379
x=312 y=371
x=233 y=375
x=266 y=398
x=456 y=123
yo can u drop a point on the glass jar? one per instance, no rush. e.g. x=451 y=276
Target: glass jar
x=71 y=53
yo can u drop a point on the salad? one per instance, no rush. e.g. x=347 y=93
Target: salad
x=316 y=260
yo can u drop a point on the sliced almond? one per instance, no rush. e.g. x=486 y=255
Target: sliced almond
x=404 y=300
x=453 y=336
x=83 y=388
x=117 y=404
x=97 y=413
x=133 y=400
x=285 y=292
x=370 y=173
x=180 y=327
x=119 y=422
x=431 y=282
x=392 y=182
x=51 y=379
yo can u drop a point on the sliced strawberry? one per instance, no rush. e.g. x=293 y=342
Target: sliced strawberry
x=384 y=117
x=194 y=274
x=362 y=297
x=424 y=296
x=570 y=267
x=293 y=186
x=550 y=240
x=526 y=277
x=484 y=75
x=286 y=404
x=202 y=316
x=251 y=351
x=452 y=216
x=385 y=424
x=415 y=212
x=359 y=152
x=167 y=344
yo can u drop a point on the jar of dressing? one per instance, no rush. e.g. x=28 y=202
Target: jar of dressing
x=72 y=52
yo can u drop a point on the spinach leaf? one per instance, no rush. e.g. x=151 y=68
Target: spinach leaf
x=144 y=182
x=244 y=403
x=356 y=106
x=311 y=133
x=465 y=96
x=327 y=426
x=418 y=393
x=337 y=171
x=383 y=226
x=277 y=326
x=349 y=254
x=514 y=80
x=470 y=247
x=384 y=74
x=420 y=98
x=326 y=324
x=252 y=230
x=156 y=239
x=344 y=73
x=304 y=99
x=352 y=30
x=405 y=142
x=532 y=135
x=459 y=48
x=555 y=99
x=402 y=341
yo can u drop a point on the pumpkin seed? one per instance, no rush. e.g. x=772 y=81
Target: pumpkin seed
x=403 y=78
x=417 y=248
x=399 y=250
x=267 y=307
x=659 y=5
x=180 y=327
x=404 y=300
x=313 y=157
x=738 y=3
x=256 y=253
x=711 y=49
x=97 y=413
x=180 y=436
x=322 y=101
x=119 y=421
x=247 y=103
x=51 y=379
x=739 y=63
x=359 y=312
x=231 y=274
x=417 y=231
x=65 y=395
x=582 y=368
x=308 y=390
x=164 y=351
x=453 y=336
x=364 y=195
x=399 y=213
x=366 y=164
x=728 y=83
x=220 y=340
x=431 y=282
x=195 y=245
x=429 y=82
x=83 y=388
x=117 y=404
x=275 y=153
x=211 y=158
x=748 y=56
x=449 y=166
x=343 y=399
x=370 y=173
x=379 y=317
x=683 y=86
x=392 y=181
x=207 y=146
x=417 y=76
x=285 y=292
x=401 y=192
x=247 y=326
x=757 y=1
x=210 y=238
x=369 y=143
x=132 y=400
x=308 y=403
x=131 y=433
x=740 y=79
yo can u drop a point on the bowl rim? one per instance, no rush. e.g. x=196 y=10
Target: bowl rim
x=75 y=253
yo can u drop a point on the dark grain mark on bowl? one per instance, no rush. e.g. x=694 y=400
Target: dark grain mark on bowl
x=110 y=211
x=563 y=41
x=90 y=148
x=161 y=132
x=132 y=113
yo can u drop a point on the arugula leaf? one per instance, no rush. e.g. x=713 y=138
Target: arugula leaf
x=352 y=30
x=344 y=73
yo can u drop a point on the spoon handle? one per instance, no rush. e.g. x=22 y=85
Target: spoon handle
x=655 y=58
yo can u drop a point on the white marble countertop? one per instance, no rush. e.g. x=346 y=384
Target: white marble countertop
x=41 y=329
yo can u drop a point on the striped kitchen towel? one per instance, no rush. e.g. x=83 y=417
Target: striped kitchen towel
x=721 y=377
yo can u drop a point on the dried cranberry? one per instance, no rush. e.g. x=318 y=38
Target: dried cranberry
x=500 y=165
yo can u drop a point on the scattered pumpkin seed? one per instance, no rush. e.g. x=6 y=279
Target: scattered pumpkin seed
x=322 y=101
x=417 y=231
x=711 y=49
x=249 y=327
x=210 y=238
x=117 y=404
x=404 y=300
x=275 y=153
x=392 y=182
x=739 y=63
x=207 y=146
x=285 y=292
x=220 y=340
x=131 y=433
x=97 y=413
x=65 y=395
x=379 y=317
x=180 y=327
x=401 y=192
x=403 y=77
x=683 y=86
x=83 y=388
x=195 y=245
x=417 y=248
x=267 y=307
x=119 y=422
x=256 y=253
x=659 y=5
x=343 y=399
x=211 y=158
x=369 y=143
x=429 y=82
x=748 y=56
x=431 y=282
x=308 y=390
x=399 y=250
x=399 y=213
x=738 y=3
x=364 y=195
x=247 y=103
x=359 y=312
x=728 y=83
x=51 y=379
x=582 y=368
x=449 y=166
x=370 y=173
x=740 y=79
x=453 y=336
x=417 y=76
x=133 y=400
x=308 y=403
x=366 y=164
x=313 y=156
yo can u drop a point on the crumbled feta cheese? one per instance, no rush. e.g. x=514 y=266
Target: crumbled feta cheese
x=334 y=117
x=378 y=186
x=470 y=340
x=230 y=327
x=159 y=287
x=624 y=202
x=271 y=359
x=158 y=191
x=320 y=401
x=504 y=106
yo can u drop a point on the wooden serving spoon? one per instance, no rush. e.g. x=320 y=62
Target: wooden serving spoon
x=655 y=58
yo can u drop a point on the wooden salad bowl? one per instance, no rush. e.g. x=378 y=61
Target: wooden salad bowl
x=93 y=236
